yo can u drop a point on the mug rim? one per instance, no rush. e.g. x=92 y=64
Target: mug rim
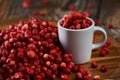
x=91 y=26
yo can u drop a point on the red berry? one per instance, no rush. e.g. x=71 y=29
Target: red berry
x=90 y=5
x=12 y=62
x=64 y=77
x=20 y=54
x=71 y=65
x=63 y=65
x=89 y=73
x=65 y=24
x=65 y=17
x=54 y=35
x=103 y=53
x=94 y=64
x=78 y=26
x=45 y=1
x=53 y=67
x=48 y=63
x=108 y=42
x=34 y=13
x=44 y=69
x=72 y=27
x=37 y=77
x=58 y=60
x=85 y=77
x=67 y=70
x=26 y=4
x=96 y=77
x=31 y=46
x=106 y=49
x=96 y=21
x=75 y=69
x=3 y=59
x=45 y=56
x=72 y=8
x=79 y=75
x=48 y=73
x=42 y=75
x=18 y=75
x=53 y=51
x=110 y=26
x=53 y=76
x=31 y=54
x=42 y=13
x=104 y=68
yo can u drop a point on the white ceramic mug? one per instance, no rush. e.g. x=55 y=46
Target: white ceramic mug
x=79 y=41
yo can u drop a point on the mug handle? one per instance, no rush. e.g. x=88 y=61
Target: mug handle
x=102 y=42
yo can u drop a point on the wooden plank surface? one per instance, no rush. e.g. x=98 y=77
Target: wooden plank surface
x=112 y=60
x=55 y=10
x=109 y=13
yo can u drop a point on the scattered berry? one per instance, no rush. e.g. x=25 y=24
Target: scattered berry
x=103 y=53
x=26 y=4
x=94 y=64
x=90 y=5
x=72 y=8
x=79 y=75
x=45 y=1
x=96 y=77
x=34 y=13
x=104 y=68
x=110 y=26
x=96 y=21
x=64 y=77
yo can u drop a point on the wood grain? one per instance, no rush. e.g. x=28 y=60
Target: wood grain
x=112 y=60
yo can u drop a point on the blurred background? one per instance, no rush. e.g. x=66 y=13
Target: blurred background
x=105 y=13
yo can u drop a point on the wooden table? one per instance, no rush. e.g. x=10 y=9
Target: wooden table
x=106 y=11
x=112 y=60
x=109 y=13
